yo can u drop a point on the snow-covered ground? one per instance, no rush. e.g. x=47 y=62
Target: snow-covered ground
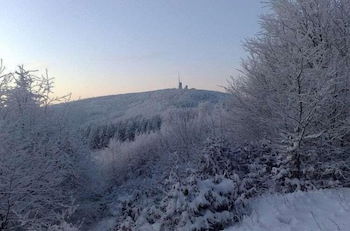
x=325 y=210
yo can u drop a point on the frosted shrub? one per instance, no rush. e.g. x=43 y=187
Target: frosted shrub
x=117 y=160
x=329 y=172
x=63 y=227
x=192 y=204
x=183 y=130
x=217 y=158
x=249 y=165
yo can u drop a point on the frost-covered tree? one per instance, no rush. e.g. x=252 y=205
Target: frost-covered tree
x=38 y=155
x=5 y=79
x=294 y=89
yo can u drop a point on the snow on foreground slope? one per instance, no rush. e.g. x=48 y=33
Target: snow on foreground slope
x=324 y=210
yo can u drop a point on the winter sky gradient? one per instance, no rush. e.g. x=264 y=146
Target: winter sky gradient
x=106 y=47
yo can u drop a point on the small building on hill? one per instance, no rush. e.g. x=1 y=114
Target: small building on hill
x=180 y=86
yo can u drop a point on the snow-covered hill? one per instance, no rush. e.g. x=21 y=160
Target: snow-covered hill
x=324 y=210
x=147 y=104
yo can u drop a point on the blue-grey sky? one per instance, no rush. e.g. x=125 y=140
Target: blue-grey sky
x=102 y=47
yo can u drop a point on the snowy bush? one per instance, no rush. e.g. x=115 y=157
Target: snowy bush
x=183 y=130
x=217 y=158
x=190 y=204
x=63 y=227
x=62 y=224
x=250 y=165
x=40 y=157
x=208 y=198
x=332 y=170
x=182 y=133
x=117 y=160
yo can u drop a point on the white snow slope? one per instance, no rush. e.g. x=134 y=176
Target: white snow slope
x=324 y=210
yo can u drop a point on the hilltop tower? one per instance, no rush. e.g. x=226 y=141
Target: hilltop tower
x=180 y=83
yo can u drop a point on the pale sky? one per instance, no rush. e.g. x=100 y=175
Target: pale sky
x=106 y=47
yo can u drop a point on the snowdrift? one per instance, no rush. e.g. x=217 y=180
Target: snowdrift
x=324 y=210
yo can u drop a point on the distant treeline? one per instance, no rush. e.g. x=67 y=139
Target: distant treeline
x=98 y=136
